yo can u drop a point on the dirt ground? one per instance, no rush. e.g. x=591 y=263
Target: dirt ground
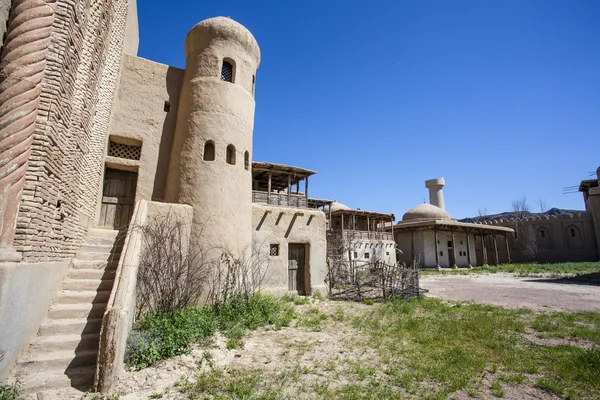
x=511 y=291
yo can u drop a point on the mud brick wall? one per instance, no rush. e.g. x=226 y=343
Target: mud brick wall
x=67 y=157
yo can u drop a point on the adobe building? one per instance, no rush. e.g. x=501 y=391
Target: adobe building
x=95 y=138
x=428 y=235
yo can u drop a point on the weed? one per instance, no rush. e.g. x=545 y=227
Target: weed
x=496 y=388
x=10 y=392
x=313 y=319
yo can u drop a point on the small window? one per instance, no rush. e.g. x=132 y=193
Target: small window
x=230 y=158
x=227 y=71
x=366 y=255
x=441 y=253
x=572 y=232
x=121 y=150
x=542 y=234
x=274 y=249
x=461 y=242
x=247 y=161
x=167 y=106
x=355 y=254
x=449 y=244
x=209 y=151
x=387 y=253
x=253 y=82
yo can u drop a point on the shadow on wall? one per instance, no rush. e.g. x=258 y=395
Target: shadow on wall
x=174 y=80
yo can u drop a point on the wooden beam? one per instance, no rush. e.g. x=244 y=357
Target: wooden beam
x=306 y=189
x=469 y=250
x=437 y=256
x=454 y=250
x=507 y=248
x=496 y=251
x=289 y=190
x=484 y=250
x=269 y=189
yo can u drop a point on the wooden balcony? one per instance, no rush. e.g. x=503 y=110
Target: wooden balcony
x=280 y=199
x=365 y=235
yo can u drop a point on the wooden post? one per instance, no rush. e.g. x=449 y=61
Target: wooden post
x=437 y=256
x=484 y=250
x=507 y=248
x=496 y=250
x=289 y=191
x=353 y=222
x=330 y=222
x=342 y=225
x=269 y=189
x=412 y=246
x=454 y=250
x=392 y=224
x=368 y=227
x=306 y=189
x=469 y=250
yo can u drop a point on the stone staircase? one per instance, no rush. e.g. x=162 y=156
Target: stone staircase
x=65 y=350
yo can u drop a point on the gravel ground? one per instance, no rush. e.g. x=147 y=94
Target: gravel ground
x=512 y=291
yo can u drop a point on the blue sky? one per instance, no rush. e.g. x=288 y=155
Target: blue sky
x=502 y=98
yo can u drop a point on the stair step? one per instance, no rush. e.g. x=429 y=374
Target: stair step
x=56 y=361
x=87 y=284
x=80 y=377
x=100 y=248
x=83 y=296
x=91 y=273
x=87 y=341
x=103 y=233
x=76 y=311
x=74 y=326
x=102 y=256
x=95 y=264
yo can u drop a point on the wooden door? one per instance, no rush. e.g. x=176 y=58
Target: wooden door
x=296 y=268
x=118 y=197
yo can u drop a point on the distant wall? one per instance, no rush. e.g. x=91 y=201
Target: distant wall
x=132 y=34
x=285 y=225
x=563 y=240
x=26 y=293
x=146 y=90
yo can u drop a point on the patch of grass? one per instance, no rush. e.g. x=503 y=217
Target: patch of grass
x=297 y=300
x=571 y=326
x=313 y=319
x=157 y=336
x=10 y=392
x=451 y=345
x=554 y=270
x=496 y=388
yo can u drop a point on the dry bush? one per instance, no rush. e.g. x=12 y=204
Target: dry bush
x=173 y=273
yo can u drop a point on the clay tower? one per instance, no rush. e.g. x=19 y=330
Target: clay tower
x=211 y=158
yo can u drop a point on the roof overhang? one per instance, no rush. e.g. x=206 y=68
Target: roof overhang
x=448 y=225
x=364 y=213
x=281 y=175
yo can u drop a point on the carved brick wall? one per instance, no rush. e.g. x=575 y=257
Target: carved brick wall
x=67 y=157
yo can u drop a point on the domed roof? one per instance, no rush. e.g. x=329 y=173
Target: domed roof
x=425 y=211
x=221 y=28
x=335 y=206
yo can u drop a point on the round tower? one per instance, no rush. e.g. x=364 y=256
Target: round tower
x=436 y=196
x=211 y=157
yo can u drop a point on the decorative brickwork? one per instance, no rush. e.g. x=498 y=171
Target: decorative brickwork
x=22 y=68
x=63 y=179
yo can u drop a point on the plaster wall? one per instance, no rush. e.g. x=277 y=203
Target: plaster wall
x=145 y=89
x=592 y=206
x=380 y=250
x=26 y=292
x=285 y=225
x=132 y=34
x=4 y=11
x=211 y=109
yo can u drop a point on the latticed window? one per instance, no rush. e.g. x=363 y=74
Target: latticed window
x=126 y=151
x=227 y=71
x=274 y=249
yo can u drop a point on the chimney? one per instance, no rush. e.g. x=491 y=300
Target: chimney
x=436 y=196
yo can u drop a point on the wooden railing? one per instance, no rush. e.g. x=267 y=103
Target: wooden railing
x=373 y=235
x=279 y=199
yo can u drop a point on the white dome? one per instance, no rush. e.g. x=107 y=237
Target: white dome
x=425 y=211
x=335 y=206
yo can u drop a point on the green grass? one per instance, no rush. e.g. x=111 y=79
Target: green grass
x=157 y=336
x=10 y=392
x=527 y=269
x=448 y=347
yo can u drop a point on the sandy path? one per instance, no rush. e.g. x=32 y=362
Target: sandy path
x=511 y=291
